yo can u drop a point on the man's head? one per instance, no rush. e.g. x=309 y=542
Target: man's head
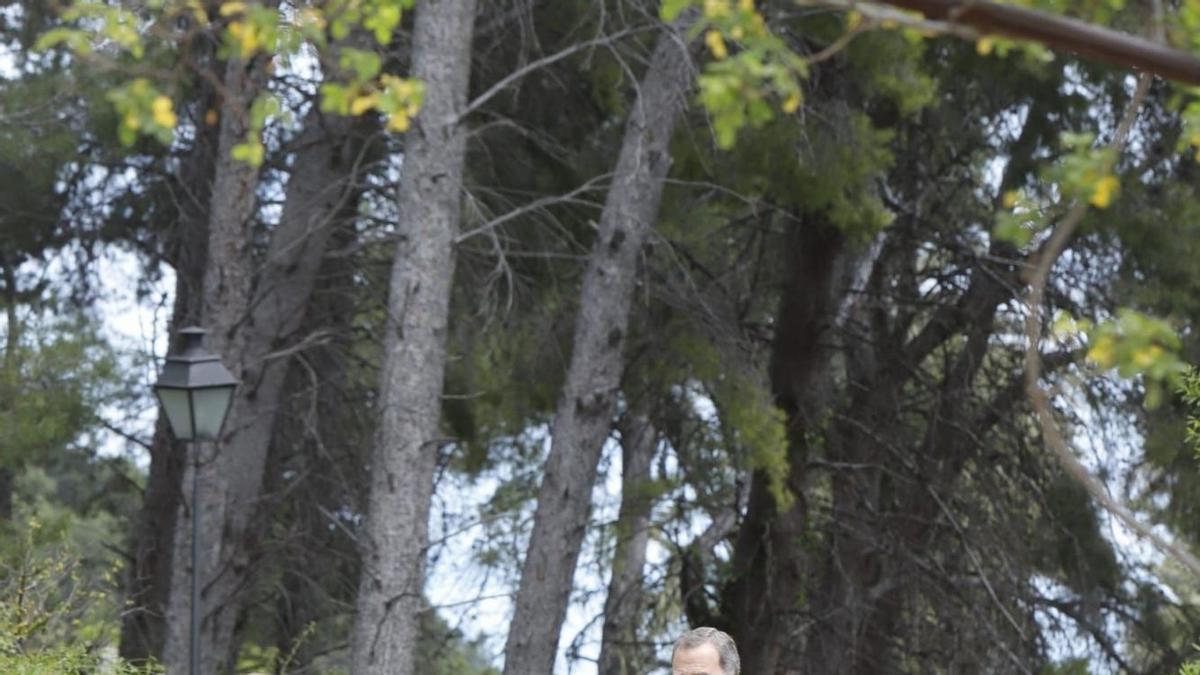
x=705 y=651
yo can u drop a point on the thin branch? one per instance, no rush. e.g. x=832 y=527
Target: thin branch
x=125 y=434
x=1040 y=398
x=532 y=206
x=881 y=15
x=517 y=74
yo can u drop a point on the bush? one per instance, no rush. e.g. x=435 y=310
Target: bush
x=44 y=613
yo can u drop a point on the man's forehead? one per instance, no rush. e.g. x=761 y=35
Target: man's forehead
x=700 y=660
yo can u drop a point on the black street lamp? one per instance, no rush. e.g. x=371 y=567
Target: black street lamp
x=195 y=391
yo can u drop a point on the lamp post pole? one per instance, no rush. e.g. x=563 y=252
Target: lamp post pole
x=195 y=638
x=196 y=392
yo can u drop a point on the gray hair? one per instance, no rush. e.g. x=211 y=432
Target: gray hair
x=727 y=652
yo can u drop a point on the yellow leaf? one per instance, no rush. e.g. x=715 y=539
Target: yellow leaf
x=1145 y=358
x=231 y=8
x=1010 y=198
x=1064 y=326
x=198 y=12
x=985 y=45
x=246 y=37
x=362 y=104
x=399 y=86
x=1103 y=192
x=716 y=44
x=854 y=19
x=792 y=104
x=746 y=5
x=163 y=112
x=310 y=17
x=398 y=122
x=715 y=9
x=131 y=121
x=1103 y=353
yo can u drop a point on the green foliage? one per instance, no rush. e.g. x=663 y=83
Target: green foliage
x=826 y=163
x=1083 y=559
x=380 y=17
x=397 y=98
x=748 y=410
x=1022 y=219
x=1002 y=47
x=143 y=110
x=250 y=151
x=742 y=88
x=1083 y=173
x=47 y=610
x=1159 y=233
x=838 y=175
x=501 y=386
x=1071 y=667
x=80 y=505
x=252 y=28
x=108 y=25
x=1189 y=391
x=1137 y=344
x=731 y=92
x=257 y=658
x=50 y=387
x=112 y=38
x=33 y=149
x=443 y=650
x=891 y=63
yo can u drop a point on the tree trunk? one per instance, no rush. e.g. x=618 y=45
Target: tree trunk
x=12 y=341
x=12 y=327
x=314 y=466
x=6 y=494
x=833 y=604
x=322 y=197
x=318 y=191
x=143 y=623
x=225 y=302
x=769 y=562
x=858 y=589
x=405 y=453
x=620 y=651
x=858 y=593
x=588 y=401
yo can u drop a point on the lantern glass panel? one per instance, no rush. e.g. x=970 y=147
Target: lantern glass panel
x=178 y=407
x=211 y=405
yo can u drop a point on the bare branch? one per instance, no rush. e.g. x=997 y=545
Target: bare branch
x=543 y=62
x=536 y=204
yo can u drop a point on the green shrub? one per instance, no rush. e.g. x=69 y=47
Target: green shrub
x=45 y=617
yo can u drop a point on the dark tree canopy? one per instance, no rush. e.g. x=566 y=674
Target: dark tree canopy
x=864 y=336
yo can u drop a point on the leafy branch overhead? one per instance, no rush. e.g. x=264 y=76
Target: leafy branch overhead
x=112 y=38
